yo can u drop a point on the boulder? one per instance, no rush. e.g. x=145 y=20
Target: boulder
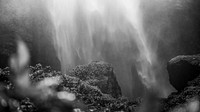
x=182 y=69
x=100 y=74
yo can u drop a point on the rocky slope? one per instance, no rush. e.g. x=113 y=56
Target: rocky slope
x=93 y=85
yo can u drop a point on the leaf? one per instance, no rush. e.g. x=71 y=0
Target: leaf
x=21 y=59
x=23 y=55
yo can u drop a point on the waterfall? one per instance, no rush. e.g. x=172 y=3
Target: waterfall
x=108 y=30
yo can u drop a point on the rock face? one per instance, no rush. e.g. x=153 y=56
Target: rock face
x=182 y=69
x=34 y=30
x=99 y=74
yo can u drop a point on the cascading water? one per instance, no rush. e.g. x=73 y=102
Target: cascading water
x=108 y=30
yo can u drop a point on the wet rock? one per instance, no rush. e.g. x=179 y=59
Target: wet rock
x=7 y=47
x=182 y=69
x=99 y=74
x=35 y=34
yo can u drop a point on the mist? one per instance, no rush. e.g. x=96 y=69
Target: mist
x=137 y=37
